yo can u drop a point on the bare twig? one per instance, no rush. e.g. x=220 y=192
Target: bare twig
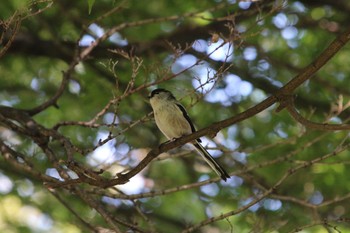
x=312 y=125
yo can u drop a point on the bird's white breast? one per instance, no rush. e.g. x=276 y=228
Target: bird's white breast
x=170 y=120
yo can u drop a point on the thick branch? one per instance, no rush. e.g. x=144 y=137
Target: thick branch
x=320 y=61
x=287 y=89
x=307 y=73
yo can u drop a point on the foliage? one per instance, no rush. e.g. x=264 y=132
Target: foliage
x=265 y=81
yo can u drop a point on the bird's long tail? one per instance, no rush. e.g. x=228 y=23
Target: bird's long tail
x=210 y=160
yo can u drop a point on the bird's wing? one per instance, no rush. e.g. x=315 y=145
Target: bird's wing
x=183 y=110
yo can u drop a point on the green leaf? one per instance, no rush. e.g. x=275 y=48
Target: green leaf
x=90 y=4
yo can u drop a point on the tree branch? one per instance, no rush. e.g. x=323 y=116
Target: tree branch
x=307 y=73
x=312 y=125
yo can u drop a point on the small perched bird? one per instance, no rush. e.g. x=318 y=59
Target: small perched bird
x=174 y=122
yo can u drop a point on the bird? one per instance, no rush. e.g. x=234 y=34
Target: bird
x=173 y=121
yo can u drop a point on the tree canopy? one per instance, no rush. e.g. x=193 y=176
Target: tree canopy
x=265 y=82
